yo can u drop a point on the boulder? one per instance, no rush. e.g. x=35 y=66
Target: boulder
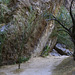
x=61 y=49
x=55 y=53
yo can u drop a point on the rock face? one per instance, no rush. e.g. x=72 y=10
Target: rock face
x=27 y=31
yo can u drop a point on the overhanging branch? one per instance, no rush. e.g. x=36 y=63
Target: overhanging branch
x=59 y=23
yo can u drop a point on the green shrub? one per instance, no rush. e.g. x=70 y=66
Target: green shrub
x=45 y=51
x=5 y=1
x=24 y=59
x=2 y=39
x=64 y=17
x=24 y=31
x=3 y=10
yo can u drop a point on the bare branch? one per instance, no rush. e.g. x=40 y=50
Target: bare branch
x=59 y=23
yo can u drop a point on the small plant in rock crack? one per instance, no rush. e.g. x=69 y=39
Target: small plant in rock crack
x=45 y=51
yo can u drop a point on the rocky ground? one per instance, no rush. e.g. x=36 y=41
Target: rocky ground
x=35 y=66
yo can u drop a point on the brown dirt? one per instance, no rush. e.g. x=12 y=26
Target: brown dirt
x=67 y=67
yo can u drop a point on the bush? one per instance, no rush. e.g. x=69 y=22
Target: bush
x=45 y=51
x=23 y=59
x=64 y=17
x=4 y=1
x=3 y=11
x=2 y=39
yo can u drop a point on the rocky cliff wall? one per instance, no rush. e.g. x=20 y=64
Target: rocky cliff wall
x=26 y=30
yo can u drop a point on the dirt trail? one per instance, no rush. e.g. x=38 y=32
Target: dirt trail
x=35 y=66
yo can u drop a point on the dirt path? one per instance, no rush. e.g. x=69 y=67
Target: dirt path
x=35 y=66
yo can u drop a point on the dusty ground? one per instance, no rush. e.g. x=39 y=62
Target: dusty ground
x=66 y=67
x=35 y=66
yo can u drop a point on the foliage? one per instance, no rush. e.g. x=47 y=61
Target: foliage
x=3 y=10
x=24 y=59
x=64 y=17
x=4 y=1
x=24 y=31
x=45 y=51
x=2 y=39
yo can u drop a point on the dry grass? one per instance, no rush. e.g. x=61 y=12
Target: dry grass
x=67 y=67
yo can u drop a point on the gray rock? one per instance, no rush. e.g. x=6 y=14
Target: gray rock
x=61 y=49
x=54 y=53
